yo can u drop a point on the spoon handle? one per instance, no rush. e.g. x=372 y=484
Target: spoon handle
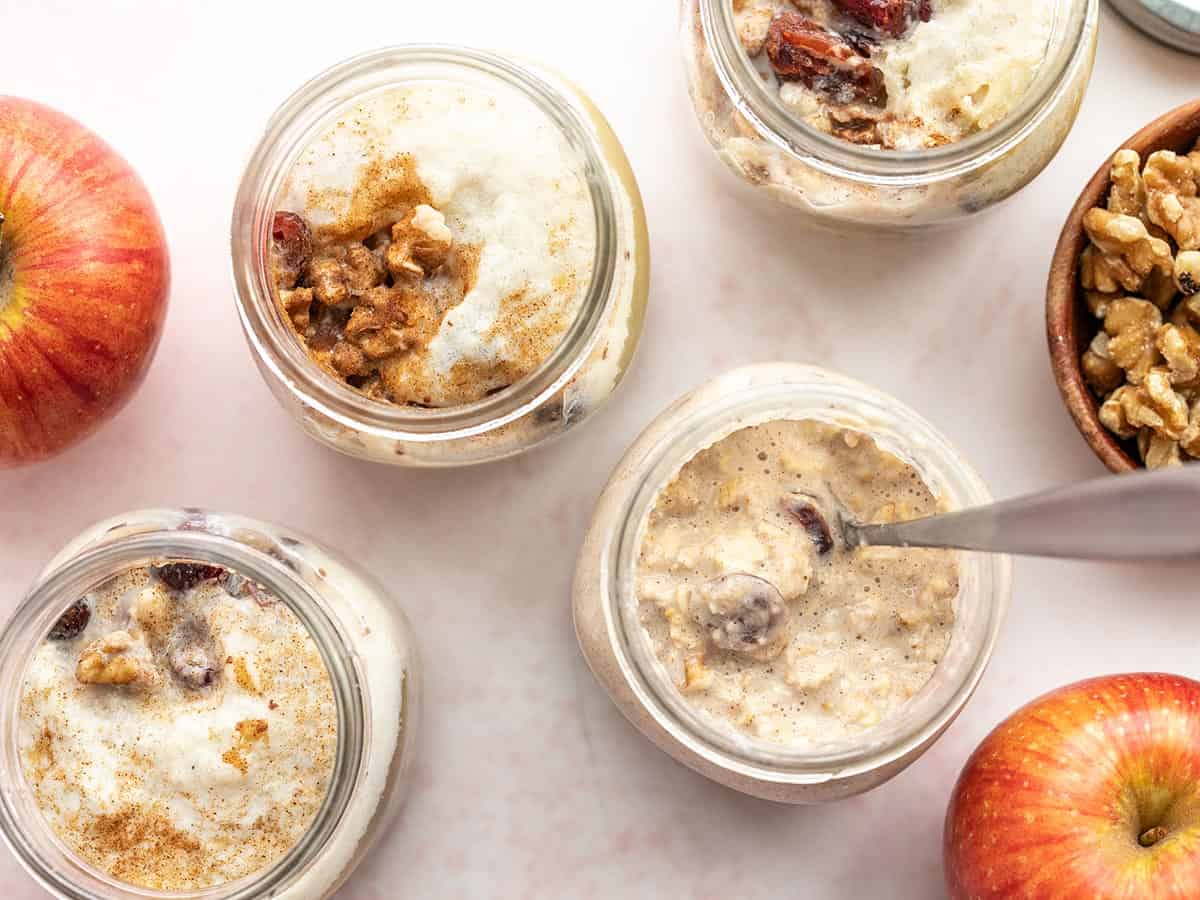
x=1149 y=515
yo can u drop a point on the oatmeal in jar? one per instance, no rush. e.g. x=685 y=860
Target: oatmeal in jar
x=897 y=74
x=762 y=617
x=177 y=727
x=434 y=245
x=968 y=100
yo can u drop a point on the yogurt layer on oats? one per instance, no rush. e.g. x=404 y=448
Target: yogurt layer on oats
x=762 y=618
x=900 y=74
x=178 y=728
x=438 y=241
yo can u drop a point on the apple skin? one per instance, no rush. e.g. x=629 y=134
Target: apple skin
x=84 y=277
x=1052 y=804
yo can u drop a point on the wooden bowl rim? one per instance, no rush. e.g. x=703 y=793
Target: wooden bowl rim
x=1063 y=294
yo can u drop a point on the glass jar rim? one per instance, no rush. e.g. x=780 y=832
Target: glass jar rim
x=291 y=128
x=42 y=605
x=705 y=412
x=772 y=119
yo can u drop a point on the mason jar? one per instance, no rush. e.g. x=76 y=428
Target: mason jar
x=621 y=654
x=567 y=388
x=364 y=641
x=839 y=183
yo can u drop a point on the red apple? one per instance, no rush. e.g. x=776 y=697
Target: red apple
x=83 y=281
x=1092 y=791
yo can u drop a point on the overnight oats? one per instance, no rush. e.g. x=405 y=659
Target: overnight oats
x=177 y=727
x=887 y=112
x=717 y=602
x=447 y=267
x=212 y=706
x=763 y=617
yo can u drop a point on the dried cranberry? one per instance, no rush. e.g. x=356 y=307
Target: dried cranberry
x=291 y=245
x=892 y=17
x=184 y=576
x=802 y=50
x=813 y=522
x=71 y=623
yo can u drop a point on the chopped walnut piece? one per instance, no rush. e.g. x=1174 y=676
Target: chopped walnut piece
x=298 y=306
x=1127 y=196
x=1098 y=302
x=109 y=660
x=1187 y=272
x=328 y=280
x=421 y=243
x=1171 y=197
x=754 y=20
x=1180 y=347
x=1160 y=289
x=1112 y=413
x=1158 y=452
x=1156 y=405
x=1100 y=372
x=1132 y=326
x=1190 y=439
x=384 y=342
x=348 y=360
x=363 y=269
x=1123 y=253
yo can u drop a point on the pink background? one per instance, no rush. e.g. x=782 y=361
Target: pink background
x=529 y=783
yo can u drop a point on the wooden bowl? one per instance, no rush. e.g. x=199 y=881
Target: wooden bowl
x=1069 y=325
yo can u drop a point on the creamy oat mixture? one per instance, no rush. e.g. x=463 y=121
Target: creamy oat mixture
x=760 y=615
x=900 y=74
x=435 y=243
x=178 y=727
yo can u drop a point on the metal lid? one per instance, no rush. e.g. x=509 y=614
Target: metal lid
x=1174 y=22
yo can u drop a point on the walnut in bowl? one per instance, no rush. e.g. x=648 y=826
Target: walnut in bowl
x=1123 y=300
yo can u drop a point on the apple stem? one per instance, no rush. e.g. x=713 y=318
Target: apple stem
x=1152 y=836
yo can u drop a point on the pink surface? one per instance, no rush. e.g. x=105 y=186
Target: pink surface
x=530 y=784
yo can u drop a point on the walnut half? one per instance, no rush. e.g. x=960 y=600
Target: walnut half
x=1122 y=254
x=1171 y=201
x=110 y=660
x=421 y=243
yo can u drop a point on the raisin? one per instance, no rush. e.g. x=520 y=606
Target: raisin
x=291 y=248
x=854 y=129
x=891 y=17
x=744 y=614
x=813 y=522
x=184 y=576
x=864 y=44
x=71 y=623
x=802 y=50
x=193 y=667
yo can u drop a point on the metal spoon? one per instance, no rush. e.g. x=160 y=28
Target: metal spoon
x=1148 y=515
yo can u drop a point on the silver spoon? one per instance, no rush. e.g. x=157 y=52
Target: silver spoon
x=1148 y=515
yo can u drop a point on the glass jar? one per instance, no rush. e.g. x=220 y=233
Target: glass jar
x=621 y=654
x=566 y=389
x=842 y=184
x=368 y=651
